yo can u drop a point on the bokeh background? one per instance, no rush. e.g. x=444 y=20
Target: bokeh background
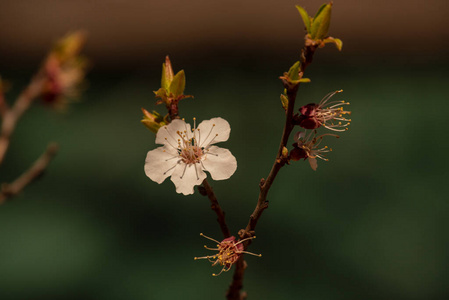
x=369 y=224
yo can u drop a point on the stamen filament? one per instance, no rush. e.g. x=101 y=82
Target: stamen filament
x=170 y=144
x=249 y=238
x=171 y=168
x=183 y=172
x=212 y=140
x=212 y=128
x=334 y=129
x=171 y=158
x=213 y=249
x=205 y=236
x=169 y=133
x=246 y=252
x=196 y=171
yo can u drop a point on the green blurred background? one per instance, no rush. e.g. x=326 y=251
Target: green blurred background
x=369 y=224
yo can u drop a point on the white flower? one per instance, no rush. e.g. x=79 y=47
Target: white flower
x=187 y=153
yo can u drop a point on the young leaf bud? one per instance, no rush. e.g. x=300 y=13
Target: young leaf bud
x=305 y=17
x=178 y=84
x=320 y=24
x=153 y=121
x=167 y=74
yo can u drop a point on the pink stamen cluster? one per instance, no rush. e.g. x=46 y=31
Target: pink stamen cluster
x=330 y=115
x=229 y=251
x=191 y=154
x=308 y=147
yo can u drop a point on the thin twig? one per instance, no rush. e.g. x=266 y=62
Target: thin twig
x=265 y=185
x=215 y=206
x=35 y=171
x=234 y=290
x=12 y=115
x=3 y=105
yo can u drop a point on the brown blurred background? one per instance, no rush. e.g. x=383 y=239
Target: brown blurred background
x=125 y=33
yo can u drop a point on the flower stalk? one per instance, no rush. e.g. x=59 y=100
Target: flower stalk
x=215 y=206
x=234 y=291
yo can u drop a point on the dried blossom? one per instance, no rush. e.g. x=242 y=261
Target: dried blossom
x=229 y=251
x=307 y=147
x=330 y=115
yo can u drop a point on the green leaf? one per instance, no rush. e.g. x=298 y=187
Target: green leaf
x=161 y=93
x=305 y=17
x=319 y=10
x=293 y=73
x=167 y=74
x=153 y=126
x=284 y=101
x=302 y=80
x=338 y=43
x=153 y=121
x=158 y=116
x=321 y=21
x=178 y=84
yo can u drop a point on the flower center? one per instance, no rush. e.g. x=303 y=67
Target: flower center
x=191 y=154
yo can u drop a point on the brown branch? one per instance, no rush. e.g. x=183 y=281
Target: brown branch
x=265 y=185
x=215 y=206
x=35 y=171
x=3 y=105
x=10 y=116
x=237 y=281
x=234 y=291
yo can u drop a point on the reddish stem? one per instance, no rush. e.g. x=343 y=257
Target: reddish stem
x=234 y=291
x=215 y=206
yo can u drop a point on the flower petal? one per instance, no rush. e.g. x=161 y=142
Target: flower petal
x=299 y=135
x=309 y=122
x=213 y=131
x=220 y=163
x=186 y=176
x=169 y=133
x=313 y=163
x=160 y=163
